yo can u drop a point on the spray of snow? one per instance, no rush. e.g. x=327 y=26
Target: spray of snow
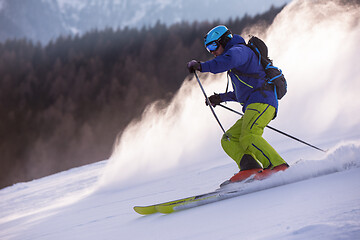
x=342 y=157
x=165 y=136
x=315 y=44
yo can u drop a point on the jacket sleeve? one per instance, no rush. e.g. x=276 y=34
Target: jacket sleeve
x=227 y=97
x=234 y=57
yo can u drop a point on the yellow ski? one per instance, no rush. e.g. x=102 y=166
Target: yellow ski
x=146 y=210
x=184 y=203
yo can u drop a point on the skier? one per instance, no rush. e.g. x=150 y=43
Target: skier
x=243 y=142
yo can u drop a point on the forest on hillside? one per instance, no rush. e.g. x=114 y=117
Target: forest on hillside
x=63 y=105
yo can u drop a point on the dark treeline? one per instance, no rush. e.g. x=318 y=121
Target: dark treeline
x=62 y=105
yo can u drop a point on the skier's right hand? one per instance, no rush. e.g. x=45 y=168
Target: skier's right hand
x=193 y=65
x=214 y=100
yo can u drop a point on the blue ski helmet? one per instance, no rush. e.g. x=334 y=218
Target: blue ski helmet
x=217 y=36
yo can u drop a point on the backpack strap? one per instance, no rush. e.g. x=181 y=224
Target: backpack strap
x=251 y=75
x=269 y=66
x=266 y=86
x=227 y=84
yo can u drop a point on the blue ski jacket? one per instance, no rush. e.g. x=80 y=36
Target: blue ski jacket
x=246 y=88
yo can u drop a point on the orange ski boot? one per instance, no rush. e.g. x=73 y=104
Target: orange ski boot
x=245 y=174
x=242 y=176
x=270 y=171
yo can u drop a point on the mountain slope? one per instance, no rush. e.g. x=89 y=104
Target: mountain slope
x=48 y=19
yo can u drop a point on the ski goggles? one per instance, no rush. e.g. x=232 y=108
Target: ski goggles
x=213 y=46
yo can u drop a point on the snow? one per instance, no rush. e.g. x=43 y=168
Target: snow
x=324 y=207
x=174 y=152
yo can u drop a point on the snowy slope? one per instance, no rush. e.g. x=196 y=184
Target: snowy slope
x=175 y=152
x=325 y=207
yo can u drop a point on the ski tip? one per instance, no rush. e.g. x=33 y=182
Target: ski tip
x=165 y=209
x=145 y=210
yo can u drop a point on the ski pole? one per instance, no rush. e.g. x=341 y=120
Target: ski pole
x=208 y=102
x=276 y=130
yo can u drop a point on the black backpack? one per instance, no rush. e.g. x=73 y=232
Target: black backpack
x=275 y=79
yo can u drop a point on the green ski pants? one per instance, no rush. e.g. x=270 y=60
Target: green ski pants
x=246 y=137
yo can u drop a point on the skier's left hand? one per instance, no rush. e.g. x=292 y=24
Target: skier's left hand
x=193 y=65
x=214 y=100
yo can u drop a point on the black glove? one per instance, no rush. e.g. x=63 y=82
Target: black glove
x=193 y=65
x=214 y=100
